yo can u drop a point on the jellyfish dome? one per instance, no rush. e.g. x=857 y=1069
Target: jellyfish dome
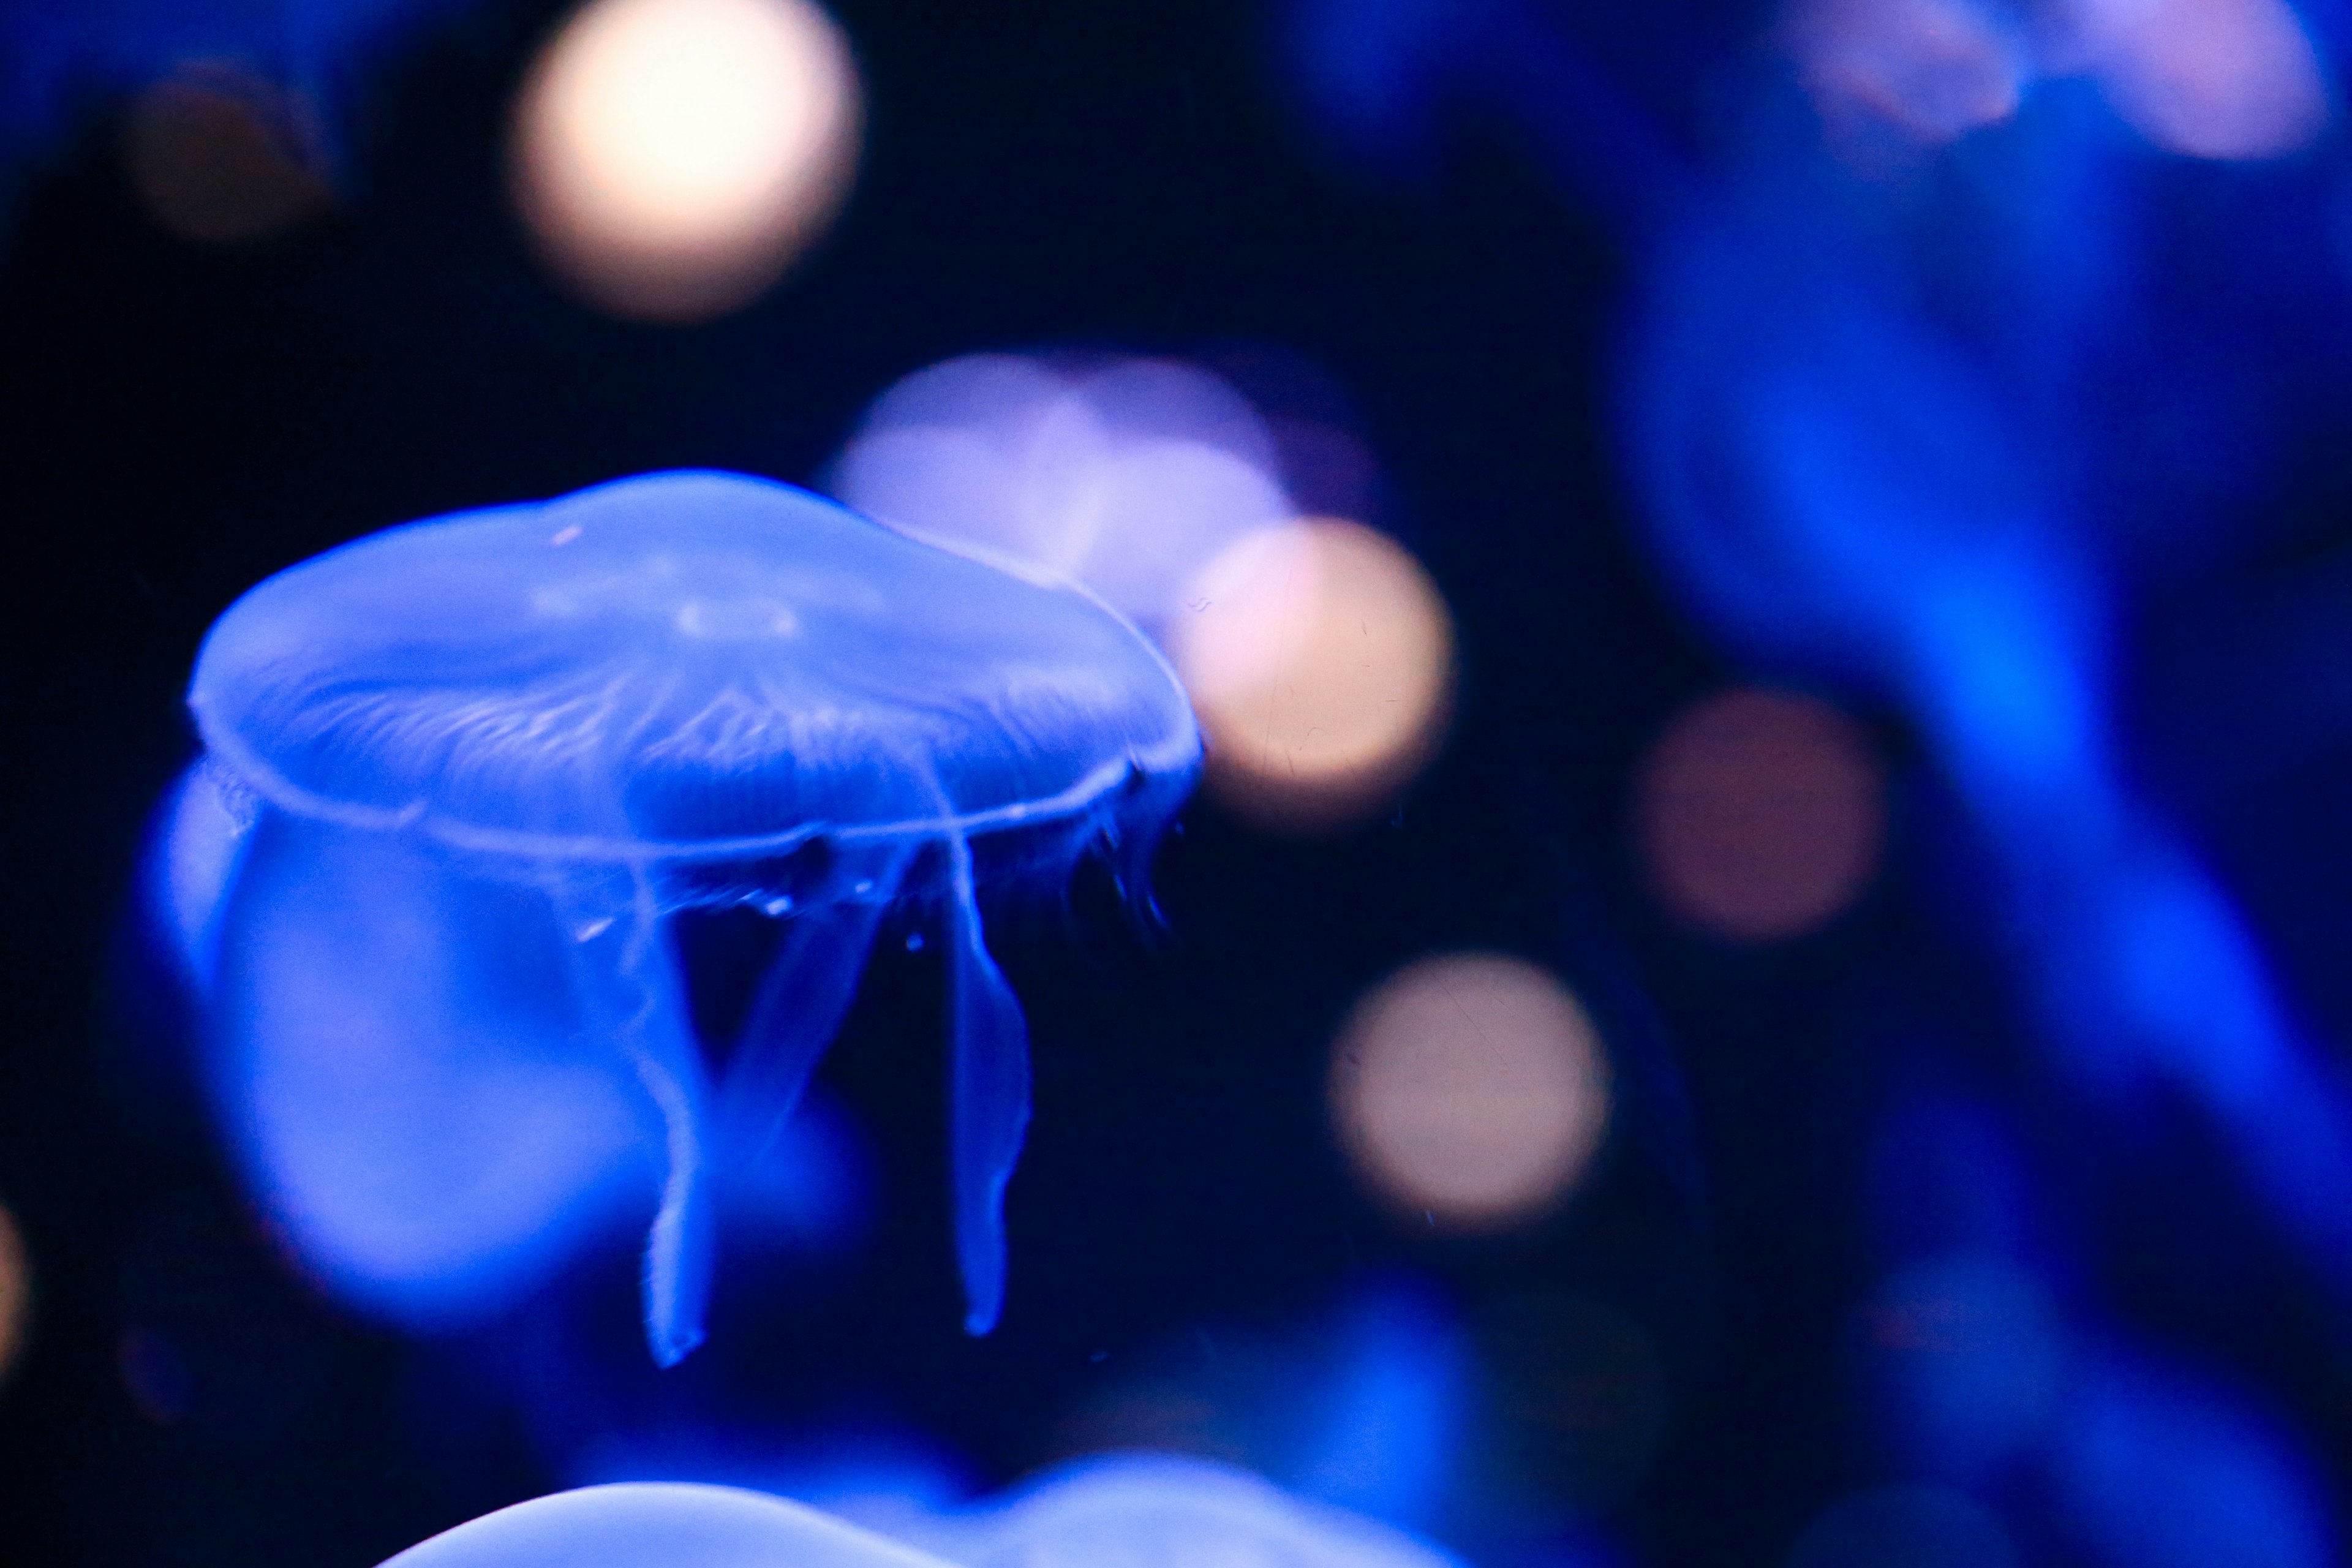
x=1151 y=1511
x=658 y=1525
x=460 y=777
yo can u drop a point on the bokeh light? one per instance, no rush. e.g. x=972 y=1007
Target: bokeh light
x=2232 y=79
x=1470 y=1089
x=1127 y=475
x=674 y=156
x=15 y=1292
x=1932 y=69
x=220 y=156
x=1760 y=814
x=1320 y=660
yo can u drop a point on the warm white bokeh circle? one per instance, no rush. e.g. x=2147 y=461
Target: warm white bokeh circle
x=1470 y=1087
x=1320 y=657
x=673 y=156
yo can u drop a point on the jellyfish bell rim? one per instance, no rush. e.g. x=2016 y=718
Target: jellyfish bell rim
x=1175 y=758
x=545 y=1528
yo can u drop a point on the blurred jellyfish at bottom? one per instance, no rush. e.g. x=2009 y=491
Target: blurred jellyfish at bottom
x=475 y=790
x=659 y=1525
x=1159 y=1511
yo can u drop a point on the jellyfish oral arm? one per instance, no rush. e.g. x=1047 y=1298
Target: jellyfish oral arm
x=988 y=1077
x=802 y=999
x=628 y=990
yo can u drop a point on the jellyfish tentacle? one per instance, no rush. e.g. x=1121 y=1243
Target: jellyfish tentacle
x=629 y=989
x=802 y=999
x=988 y=1097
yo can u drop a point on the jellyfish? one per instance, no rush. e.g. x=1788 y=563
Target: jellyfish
x=669 y=1524
x=1158 y=1510
x=461 y=781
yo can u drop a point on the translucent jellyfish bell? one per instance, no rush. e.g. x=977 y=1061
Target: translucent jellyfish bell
x=658 y=1525
x=1155 y=1511
x=459 y=774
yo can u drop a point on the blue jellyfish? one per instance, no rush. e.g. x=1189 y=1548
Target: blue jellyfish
x=1154 y=1510
x=459 y=779
x=658 y=1525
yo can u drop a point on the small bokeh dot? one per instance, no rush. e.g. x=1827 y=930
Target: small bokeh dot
x=1470 y=1090
x=1320 y=659
x=1760 y=814
x=217 y=155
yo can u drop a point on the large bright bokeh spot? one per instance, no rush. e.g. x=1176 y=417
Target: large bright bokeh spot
x=1320 y=660
x=1760 y=814
x=1126 y=475
x=672 y=157
x=1470 y=1089
x=2228 y=80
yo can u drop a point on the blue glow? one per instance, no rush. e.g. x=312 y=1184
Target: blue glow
x=2153 y=1473
x=677 y=1526
x=1833 y=483
x=460 y=774
x=1388 y=1427
x=1168 y=1513
x=1971 y=1350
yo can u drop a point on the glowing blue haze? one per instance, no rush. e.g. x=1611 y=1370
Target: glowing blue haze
x=1865 y=464
x=458 y=777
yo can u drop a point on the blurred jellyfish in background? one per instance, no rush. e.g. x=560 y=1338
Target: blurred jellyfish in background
x=673 y=157
x=674 y=1525
x=15 y=1293
x=1945 y=367
x=1851 y=469
x=1318 y=655
x=469 y=784
x=1470 y=1090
